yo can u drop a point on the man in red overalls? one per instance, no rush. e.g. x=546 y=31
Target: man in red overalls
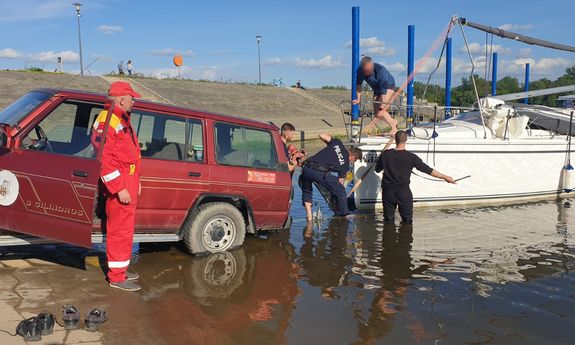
x=120 y=174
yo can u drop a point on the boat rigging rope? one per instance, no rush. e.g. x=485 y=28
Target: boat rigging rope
x=416 y=70
x=473 y=80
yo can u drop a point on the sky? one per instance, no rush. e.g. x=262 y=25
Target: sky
x=307 y=40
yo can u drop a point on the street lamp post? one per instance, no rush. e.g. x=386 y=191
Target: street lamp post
x=77 y=5
x=259 y=40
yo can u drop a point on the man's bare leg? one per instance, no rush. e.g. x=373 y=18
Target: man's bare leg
x=382 y=113
x=309 y=214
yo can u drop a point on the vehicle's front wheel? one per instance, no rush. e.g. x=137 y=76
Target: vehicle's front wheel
x=214 y=227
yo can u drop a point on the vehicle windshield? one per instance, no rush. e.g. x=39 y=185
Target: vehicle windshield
x=16 y=111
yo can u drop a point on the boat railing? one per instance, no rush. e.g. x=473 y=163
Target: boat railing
x=419 y=113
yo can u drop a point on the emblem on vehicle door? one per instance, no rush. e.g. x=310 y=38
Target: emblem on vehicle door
x=8 y=188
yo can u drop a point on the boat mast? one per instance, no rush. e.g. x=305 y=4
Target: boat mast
x=517 y=37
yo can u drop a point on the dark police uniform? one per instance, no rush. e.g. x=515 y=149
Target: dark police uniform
x=326 y=168
x=380 y=80
x=397 y=166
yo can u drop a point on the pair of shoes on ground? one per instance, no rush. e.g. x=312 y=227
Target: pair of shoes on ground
x=32 y=329
x=94 y=318
x=129 y=284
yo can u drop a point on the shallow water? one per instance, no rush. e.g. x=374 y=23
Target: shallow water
x=490 y=275
x=497 y=275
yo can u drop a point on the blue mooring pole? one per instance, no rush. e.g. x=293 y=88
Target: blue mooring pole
x=354 y=60
x=410 y=63
x=526 y=100
x=494 y=76
x=448 y=80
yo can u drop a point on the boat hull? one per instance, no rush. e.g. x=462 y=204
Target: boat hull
x=502 y=171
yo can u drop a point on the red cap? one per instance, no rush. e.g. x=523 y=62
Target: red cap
x=121 y=88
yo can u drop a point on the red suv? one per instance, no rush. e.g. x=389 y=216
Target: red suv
x=206 y=178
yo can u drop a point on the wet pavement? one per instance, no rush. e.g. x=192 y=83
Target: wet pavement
x=497 y=275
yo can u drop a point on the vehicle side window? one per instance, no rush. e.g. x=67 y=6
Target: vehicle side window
x=66 y=130
x=163 y=136
x=244 y=146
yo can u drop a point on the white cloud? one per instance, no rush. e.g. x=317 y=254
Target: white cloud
x=274 y=61
x=172 y=51
x=51 y=56
x=542 y=66
x=516 y=27
x=48 y=56
x=395 y=67
x=477 y=48
x=325 y=62
x=9 y=53
x=190 y=72
x=373 y=46
x=524 y=52
x=34 y=10
x=110 y=29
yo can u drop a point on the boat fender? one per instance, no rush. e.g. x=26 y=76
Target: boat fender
x=568 y=178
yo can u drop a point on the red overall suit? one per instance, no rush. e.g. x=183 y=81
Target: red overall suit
x=120 y=170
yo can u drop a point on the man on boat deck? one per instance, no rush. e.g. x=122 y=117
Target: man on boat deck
x=328 y=168
x=382 y=84
x=397 y=165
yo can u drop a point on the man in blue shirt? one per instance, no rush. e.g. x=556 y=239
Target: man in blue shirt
x=328 y=168
x=382 y=83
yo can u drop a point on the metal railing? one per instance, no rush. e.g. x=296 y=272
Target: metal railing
x=421 y=113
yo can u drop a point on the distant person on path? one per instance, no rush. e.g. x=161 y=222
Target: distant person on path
x=120 y=182
x=299 y=86
x=129 y=67
x=121 y=68
x=397 y=165
x=382 y=84
x=328 y=168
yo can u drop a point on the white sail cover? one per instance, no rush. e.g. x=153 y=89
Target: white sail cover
x=496 y=119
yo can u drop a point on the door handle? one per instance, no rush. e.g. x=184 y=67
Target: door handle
x=80 y=173
x=194 y=174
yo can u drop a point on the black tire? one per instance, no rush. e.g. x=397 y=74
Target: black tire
x=213 y=228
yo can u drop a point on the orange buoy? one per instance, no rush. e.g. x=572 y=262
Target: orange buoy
x=178 y=60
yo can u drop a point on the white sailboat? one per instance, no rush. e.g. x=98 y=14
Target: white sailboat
x=511 y=152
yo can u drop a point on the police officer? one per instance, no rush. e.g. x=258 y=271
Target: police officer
x=397 y=165
x=382 y=83
x=120 y=176
x=328 y=168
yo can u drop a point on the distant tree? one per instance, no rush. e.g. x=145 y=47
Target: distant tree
x=508 y=85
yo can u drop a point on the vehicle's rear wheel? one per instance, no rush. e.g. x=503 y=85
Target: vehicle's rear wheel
x=214 y=227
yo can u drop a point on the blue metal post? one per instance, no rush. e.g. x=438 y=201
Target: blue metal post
x=448 y=80
x=410 y=63
x=494 y=76
x=354 y=60
x=526 y=100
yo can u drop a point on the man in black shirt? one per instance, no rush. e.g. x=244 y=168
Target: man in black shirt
x=328 y=168
x=382 y=83
x=397 y=165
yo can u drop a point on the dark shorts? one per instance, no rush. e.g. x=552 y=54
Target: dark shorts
x=383 y=90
